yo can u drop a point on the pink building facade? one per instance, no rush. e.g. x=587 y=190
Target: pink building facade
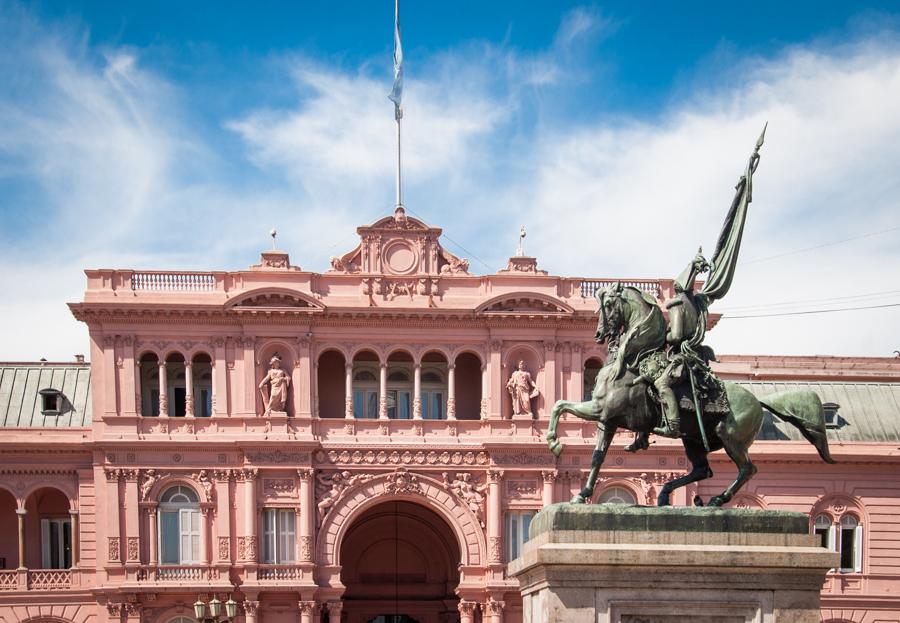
x=394 y=478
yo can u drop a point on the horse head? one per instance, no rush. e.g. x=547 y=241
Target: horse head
x=611 y=319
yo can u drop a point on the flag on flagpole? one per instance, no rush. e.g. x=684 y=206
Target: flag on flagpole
x=396 y=94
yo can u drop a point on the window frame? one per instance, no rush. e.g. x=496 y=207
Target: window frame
x=283 y=537
x=185 y=513
x=614 y=489
x=515 y=531
x=64 y=542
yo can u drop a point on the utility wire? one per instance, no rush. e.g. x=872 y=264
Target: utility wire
x=821 y=246
x=462 y=248
x=811 y=311
x=848 y=298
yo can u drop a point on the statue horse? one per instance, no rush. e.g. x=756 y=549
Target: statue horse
x=632 y=321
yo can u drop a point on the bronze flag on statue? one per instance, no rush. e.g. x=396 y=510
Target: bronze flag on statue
x=724 y=260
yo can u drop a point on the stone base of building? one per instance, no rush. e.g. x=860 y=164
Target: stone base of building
x=635 y=564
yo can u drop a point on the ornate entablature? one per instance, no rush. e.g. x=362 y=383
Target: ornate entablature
x=400 y=246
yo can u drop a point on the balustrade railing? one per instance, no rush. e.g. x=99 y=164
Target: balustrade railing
x=9 y=580
x=590 y=287
x=49 y=579
x=174 y=281
x=185 y=573
x=279 y=572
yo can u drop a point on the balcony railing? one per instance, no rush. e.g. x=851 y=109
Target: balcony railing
x=270 y=573
x=185 y=573
x=49 y=579
x=9 y=580
x=174 y=281
x=590 y=287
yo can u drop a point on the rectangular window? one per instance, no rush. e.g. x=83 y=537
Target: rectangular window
x=279 y=540
x=433 y=404
x=153 y=407
x=56 y=543
x=517 y=524
x=204 y=404
x=399 y=405
x=365 y=404
x=168 y=538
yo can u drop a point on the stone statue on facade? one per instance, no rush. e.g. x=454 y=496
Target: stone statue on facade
x=657 y=377
x=279 y=382
x=521 y=389
x=469 y=491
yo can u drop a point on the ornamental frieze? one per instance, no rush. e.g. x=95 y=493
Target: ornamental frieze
x=277 y=457
x=404 y=457
x=524 y=458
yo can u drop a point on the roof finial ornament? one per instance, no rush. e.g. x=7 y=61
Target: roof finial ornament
x=520 y=251
x=273 y=232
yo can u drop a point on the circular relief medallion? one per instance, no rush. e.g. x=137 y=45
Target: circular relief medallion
x=400 y=258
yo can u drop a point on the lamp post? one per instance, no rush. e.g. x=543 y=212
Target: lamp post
x=215 y=610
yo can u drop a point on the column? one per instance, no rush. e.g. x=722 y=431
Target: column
x=417 y=392
x=151 y=531
x=250 y=515
x=466 y=611
x=549 y=481
x=576 y=382
x=138 y=389
x=303 y=381
x=307 y=610
x=495 y=517
x=493 y=610
x=20 y=513
x=163 y=390
x=549 y=381
x=130 y=379
x=348 y=390
x=219 y=382
x=307 y=514
x=189 y=388
x=485 y=392
x=495 y=373
x=131 y=540
x=382 y=392
x=109 y=375
x=451 y=391
x=204 y=536
x=251 y=608
x=223 y=531
x=250 y=380
x=76 y=537
x=334 y=611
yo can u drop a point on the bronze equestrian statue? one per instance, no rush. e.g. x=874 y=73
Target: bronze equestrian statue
x=657 y=376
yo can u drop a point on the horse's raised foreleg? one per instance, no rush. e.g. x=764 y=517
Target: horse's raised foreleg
x=604 y=439
x=584 y=410
x=700 y=470
x=737 y=451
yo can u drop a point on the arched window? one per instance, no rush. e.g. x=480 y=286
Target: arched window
x=179 y=526
x=591 y=369
x=182 y=620
x=824 y=529
x=851 y=544
x=617 y=495
x=433 y=396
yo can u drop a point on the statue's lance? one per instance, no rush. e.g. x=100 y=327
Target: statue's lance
x=724 y=262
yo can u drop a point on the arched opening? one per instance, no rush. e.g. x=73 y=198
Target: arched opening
x=591 y=369
x=365 y=385
x=202 y=385
x=149 y=379
x=9 y=542
x=176 y=391
x=48 y=530
x=400 y=559
x=400 y=386
x=330 y=377
x=433 y=392
x=468 y=387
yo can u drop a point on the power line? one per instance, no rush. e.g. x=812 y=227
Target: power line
x=812 y=311
x=821 y=246
x=464 y=250
x=849 y=297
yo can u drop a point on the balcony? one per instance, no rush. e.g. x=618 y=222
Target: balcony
x=180 y=574
x=279 y=573
x=35 y=579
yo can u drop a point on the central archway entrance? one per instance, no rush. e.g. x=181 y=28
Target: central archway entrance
x=400 y=563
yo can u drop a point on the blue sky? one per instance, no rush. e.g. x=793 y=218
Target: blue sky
x=175 y=134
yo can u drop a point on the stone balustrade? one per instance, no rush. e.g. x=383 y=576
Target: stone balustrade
x=9 y=580
x=184 y=573
x=279 y=573
x=173 y=281
x=49 y=579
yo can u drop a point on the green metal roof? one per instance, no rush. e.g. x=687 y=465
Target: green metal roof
x=866 y=412
x=20 y=398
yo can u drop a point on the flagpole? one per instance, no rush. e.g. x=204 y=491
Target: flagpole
x=398 y=114
x=396 y=96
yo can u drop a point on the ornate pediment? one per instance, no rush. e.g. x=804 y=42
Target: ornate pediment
x=523 y=303
x=269 y=300
x=399 y=245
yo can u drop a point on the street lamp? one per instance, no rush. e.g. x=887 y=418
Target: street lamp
x=215 y=609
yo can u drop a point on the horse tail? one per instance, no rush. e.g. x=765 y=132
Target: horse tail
x=803 y=409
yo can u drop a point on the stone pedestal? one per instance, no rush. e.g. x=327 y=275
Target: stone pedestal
x=634 y=564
